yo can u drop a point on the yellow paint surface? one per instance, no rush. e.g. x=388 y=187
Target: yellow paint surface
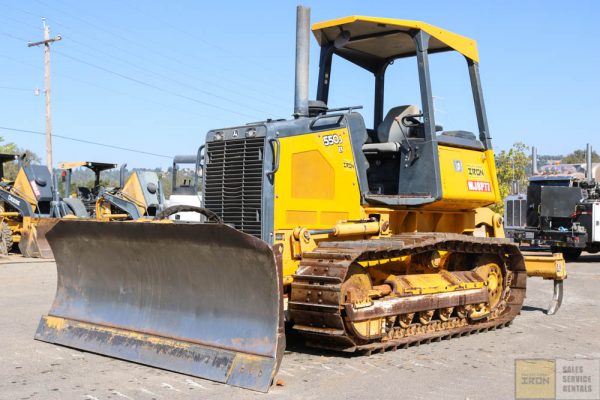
x=316 y=185
x=468 y=178
x=462 y=44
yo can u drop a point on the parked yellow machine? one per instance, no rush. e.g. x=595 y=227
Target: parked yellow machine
x=82 y=202
x=7 y=222
x=366 y=239
x=140 y=196
x=28 y=209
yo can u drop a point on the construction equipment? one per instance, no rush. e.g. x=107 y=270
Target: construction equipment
x=6 y=235
x=88 y=196
x=369 y=239
x=141 y=196
x=29 y=208
x=561 y=210
x=186 y=193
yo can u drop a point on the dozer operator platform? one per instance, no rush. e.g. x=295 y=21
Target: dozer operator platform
x=361 y=239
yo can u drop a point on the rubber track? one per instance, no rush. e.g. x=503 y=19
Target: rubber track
x=316 y=307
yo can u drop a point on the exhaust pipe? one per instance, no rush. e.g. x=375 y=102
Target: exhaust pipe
x=122 y=175
x=588 y=162
x=534 y=166
x=55 y=210
x=302 y=61
x=67 y=187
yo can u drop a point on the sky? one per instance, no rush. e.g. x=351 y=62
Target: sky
x=154 y=76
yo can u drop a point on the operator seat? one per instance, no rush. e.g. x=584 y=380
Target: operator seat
x=390 y=130
x=76 y=207
x=392 y=133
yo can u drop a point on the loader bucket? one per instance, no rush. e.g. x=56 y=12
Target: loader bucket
x=33 y=243
x=199 y=299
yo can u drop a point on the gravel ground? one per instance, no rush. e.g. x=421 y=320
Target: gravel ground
x=476 y=367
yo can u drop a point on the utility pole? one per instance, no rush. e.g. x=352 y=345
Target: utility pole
x=46 y=42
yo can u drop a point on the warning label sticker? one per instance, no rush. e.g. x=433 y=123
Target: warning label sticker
x=479 y=186
x=35 y=188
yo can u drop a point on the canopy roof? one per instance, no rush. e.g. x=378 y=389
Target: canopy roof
x=94 y=166
x=7 y=157
x=373 y=40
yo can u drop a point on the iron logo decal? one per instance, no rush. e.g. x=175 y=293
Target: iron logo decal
x=475 y=171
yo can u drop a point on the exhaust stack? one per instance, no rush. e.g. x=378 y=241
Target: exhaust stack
x=588 y=162
x=302 y=61
x=534 y=166
x=122 y=175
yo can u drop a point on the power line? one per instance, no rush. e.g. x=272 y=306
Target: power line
x=16 y=89
x=150 y=85
x=86 y=142
x=153 y=50
x=166 y=77
x=111 y=90
x=198 y=37
x=13 y=36
x=157 y=87
x=245 y=95
x=248 y=94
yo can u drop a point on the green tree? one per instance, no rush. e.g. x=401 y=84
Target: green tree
x=511 y=167
x=578 y=157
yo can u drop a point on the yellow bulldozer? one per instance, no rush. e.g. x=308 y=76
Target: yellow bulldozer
x=363 y=238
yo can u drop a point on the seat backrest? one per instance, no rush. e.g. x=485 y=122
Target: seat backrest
x=77 y=207
x=389 y=130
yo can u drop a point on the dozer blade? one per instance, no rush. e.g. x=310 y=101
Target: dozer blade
x=33 y=243
x=200 y=299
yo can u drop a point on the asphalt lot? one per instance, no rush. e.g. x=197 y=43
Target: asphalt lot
x=476 y=367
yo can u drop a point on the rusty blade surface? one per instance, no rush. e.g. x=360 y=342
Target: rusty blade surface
x=33 y=243
x=199 y=299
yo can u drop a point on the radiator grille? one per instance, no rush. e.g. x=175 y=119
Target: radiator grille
x=515 y=212
x=233 y=182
